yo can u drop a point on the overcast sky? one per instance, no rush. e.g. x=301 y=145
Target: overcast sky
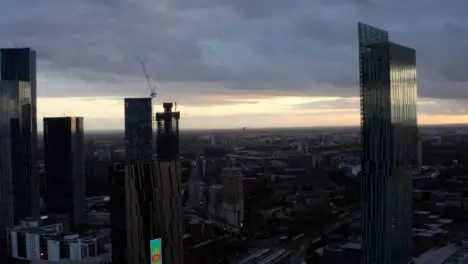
x=233 y=63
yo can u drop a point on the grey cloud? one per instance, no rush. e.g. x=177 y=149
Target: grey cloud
x=278 y=47
x=334 y=104
x=444 y=107
x=425 y=106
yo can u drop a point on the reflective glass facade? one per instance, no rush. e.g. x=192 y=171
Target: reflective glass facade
x=389 y=142
x=138 y=129
x=19 y=65
x=15 y=151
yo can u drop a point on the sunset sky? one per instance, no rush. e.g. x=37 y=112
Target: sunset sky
x=228 y=64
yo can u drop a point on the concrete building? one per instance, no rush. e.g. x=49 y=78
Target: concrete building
x=389 y=137
x=139 y=129
x=64 y=168
x=233 y=196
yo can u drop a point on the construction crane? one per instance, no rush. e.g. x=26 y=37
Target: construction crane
x=152 y=89
x=148 y=81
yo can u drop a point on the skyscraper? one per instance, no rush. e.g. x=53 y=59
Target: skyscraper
x=139 y=129
x=15 y=151
x=146 y=200
x=389 y=139
x=19 y=65
x=64 y=168
x=169 y=185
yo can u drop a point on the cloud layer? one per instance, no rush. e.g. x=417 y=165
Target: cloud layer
x=230 y=47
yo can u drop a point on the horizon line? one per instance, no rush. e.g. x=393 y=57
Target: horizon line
x=269 y=128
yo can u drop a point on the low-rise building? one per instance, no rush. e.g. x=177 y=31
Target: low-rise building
x=43 y=241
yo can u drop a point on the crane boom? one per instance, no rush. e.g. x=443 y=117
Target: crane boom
x=148 y=81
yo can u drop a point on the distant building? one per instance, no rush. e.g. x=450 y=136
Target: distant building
x=64 y=167
x=139 y=129
x=18 y=194
x=215 y=200
x=233 y=196
x=196 y=184
x=19 y=65
x=389 y=138
x=146 y=200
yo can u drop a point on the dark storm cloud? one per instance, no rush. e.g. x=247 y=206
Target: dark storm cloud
x=289 y=47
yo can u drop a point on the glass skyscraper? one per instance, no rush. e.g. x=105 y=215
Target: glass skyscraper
x=139 y=129
x=389 y=142
x=19 y=65
x=15 y=151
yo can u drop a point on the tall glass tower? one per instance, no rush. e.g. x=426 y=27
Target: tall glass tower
x=15 y=152
x=389 y=143
x=18 y=70
x=139 y=129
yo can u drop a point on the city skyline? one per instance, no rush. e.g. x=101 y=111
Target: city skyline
x=224 y=75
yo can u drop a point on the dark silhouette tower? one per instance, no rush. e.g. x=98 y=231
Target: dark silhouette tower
x=168 y=184
x=389 y=144
x=167 y=133
x=64 y=168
